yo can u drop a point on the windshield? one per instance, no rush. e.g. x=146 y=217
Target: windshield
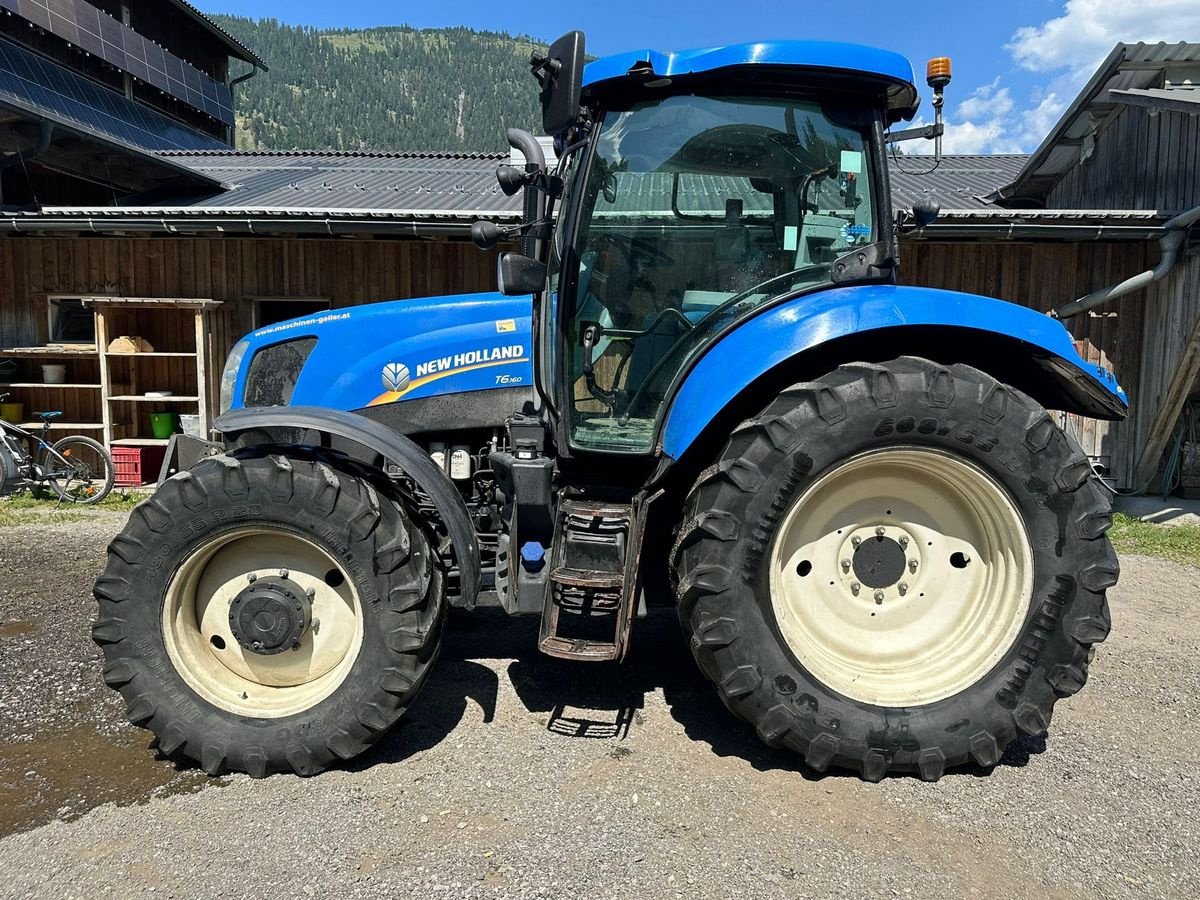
x=696 y=211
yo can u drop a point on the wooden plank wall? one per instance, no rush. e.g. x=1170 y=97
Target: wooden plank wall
x=1140 y=161
x=1172 y=316
x=233 y=270
x=1042 y=276
x=1144 y=161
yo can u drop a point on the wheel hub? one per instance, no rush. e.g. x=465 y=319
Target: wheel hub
x=879 y=562
x=270 y=616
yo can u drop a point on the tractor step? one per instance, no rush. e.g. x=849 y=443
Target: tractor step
x=590 y=602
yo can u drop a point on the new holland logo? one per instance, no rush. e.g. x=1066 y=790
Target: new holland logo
x=395 y=377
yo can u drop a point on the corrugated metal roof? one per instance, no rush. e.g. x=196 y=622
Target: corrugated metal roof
x=1127 y=67
x=959 y=182
x=462 y=183
x=396 y=182
x=442 y=193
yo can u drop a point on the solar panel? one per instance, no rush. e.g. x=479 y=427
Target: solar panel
x=106 y=38
x=32 y=84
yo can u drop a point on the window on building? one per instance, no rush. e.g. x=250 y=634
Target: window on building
x=70 y=322
x=271 y=310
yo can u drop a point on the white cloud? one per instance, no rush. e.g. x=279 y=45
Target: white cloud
x=978 y=124
x=1068 y=48
x=987 y=102
x=1088 y=30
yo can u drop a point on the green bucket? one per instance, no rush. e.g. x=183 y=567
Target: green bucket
x=163 y=424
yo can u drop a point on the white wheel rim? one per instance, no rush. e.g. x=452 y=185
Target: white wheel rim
x=939 y=627
x=205 y=651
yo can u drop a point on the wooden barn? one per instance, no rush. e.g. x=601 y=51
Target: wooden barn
x=260 y=237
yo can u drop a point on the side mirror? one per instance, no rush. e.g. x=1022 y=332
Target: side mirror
x=518 y=275
x=925 y=211
x=511 y=179
x=560 y=73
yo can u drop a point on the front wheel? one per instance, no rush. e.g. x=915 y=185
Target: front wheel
x=79 y=470
x=270 y=613
x=899 y=567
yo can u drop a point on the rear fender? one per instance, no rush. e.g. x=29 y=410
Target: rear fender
x=810 y=335
x=393 y=447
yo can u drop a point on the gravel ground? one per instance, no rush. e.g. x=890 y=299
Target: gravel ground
x=520 y=776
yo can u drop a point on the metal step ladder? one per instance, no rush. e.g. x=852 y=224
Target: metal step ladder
x=589 y=606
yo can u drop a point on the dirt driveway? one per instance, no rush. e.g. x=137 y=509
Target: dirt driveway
x=519 y=776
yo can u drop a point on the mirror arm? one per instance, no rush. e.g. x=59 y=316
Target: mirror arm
x=928 y=132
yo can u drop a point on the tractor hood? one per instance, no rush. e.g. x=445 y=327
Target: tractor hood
x=385 y=353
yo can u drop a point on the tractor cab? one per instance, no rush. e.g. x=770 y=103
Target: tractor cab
x=693 y=190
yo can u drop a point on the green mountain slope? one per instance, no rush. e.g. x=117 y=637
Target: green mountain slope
x=393 y=88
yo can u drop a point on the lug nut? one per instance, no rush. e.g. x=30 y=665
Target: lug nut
x=312 y=592
x=252 y=578
x=856 y=540
x=855 y=587
x=284 y=573
x=912 y=565
x=903 y=588
x=880 y=531
x=878 y=597
x=903 y=542
x=845 y=565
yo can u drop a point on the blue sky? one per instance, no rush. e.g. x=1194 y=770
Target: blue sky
x=1017 y=63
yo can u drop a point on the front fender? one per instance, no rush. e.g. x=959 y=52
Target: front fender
x=992 y=335
x=393 y=447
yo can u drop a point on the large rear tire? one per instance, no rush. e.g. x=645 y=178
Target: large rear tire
x=897 y=568
x=269 y=613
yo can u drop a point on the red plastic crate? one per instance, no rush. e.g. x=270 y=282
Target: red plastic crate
x=137 y=465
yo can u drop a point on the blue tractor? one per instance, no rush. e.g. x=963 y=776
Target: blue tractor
x=699 y=385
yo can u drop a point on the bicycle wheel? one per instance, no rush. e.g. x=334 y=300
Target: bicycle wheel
x=79 y=470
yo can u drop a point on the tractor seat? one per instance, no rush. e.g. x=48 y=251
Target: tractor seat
x=47 y=416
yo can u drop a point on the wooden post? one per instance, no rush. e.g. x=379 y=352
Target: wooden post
x=105 y=379
x=202 y=373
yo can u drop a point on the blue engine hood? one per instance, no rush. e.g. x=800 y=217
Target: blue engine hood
x=400 y=350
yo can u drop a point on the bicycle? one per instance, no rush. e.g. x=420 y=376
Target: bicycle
x=77 y=468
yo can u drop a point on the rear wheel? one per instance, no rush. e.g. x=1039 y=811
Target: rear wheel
x=269 y=614
x=79 y=470
x=899 y=567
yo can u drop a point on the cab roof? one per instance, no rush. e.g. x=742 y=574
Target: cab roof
x=824 y=56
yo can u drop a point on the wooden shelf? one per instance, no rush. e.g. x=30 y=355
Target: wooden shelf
x=179 y=329
x=160 y=303
x=63 y=426
x=153 y=355
x=51 y=387
x=138 y=398
x=47 y=353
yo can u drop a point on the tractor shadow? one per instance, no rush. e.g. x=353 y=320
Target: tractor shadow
x=595 y=701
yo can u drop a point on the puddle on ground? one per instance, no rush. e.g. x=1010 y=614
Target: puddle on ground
x=17 y=629
x=66 y=773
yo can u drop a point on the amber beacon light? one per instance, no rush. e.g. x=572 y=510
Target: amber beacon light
x=937 y=72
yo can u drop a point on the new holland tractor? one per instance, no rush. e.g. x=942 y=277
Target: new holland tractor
x=699 y=385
